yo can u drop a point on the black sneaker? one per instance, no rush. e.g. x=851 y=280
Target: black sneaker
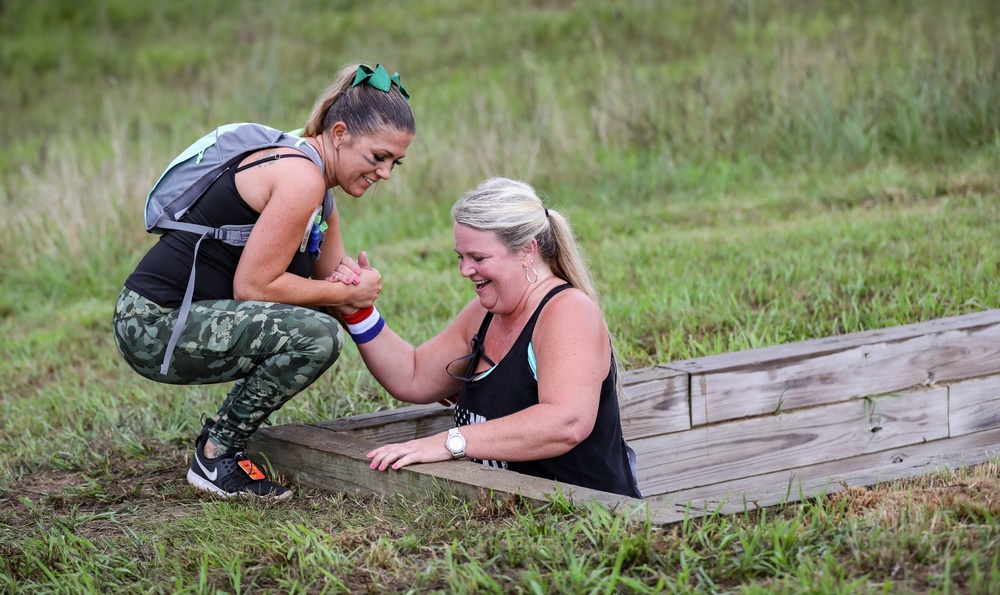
x=231 y=474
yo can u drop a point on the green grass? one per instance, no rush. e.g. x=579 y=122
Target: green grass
x=739 y=174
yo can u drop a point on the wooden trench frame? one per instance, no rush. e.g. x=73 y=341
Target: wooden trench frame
x=724 y=433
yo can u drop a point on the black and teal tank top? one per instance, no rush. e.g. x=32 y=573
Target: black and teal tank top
x=602 y=461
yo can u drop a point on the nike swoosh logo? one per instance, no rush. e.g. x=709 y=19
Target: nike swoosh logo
x=211 y=475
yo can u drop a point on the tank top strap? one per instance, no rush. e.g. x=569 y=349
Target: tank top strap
x=480 y=336
x=529 y=328
x=270 y=158
x=481 y=333
x=548 y=296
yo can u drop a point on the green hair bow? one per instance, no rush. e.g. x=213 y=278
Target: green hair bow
x=379 y=78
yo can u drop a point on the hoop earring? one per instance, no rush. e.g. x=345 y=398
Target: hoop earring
x=533 y=272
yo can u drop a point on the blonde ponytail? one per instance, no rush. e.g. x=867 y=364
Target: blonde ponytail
x=512 y=210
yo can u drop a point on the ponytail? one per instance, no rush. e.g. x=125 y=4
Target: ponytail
x=512 y=210
x=363 y=109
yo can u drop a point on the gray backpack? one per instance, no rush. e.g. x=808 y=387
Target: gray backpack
x=191 y=173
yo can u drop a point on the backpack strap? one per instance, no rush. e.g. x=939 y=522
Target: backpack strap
x=272 y=158
x=234 y=235
x=185 y=308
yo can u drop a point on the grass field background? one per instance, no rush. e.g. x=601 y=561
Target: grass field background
x=739 y=174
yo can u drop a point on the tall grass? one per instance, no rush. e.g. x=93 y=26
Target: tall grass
x=739 y=173
x=633 y=119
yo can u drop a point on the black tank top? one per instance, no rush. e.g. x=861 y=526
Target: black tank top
x=162 y=274
x=600 y=462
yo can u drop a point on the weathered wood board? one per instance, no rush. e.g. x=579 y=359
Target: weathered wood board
x=397 y=425
x=720 y=433
x=808 y=373
x=654 y=401
x=793 y=485
x=320 y=458
x=801 y=438
x=974 y=405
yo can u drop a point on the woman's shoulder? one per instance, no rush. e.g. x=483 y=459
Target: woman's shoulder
x=276 y=173
x=571 y=323
x=572 y=299
x=469 y=318
x=571 y=311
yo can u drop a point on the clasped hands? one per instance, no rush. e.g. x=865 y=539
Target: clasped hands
x=357 y=272
x=361 y=274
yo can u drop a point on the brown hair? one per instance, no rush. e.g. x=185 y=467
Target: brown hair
x=363 y=109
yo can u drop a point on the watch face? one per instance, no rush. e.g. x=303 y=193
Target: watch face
x=455 y=443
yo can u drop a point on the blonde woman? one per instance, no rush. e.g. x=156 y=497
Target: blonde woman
x=530 y=357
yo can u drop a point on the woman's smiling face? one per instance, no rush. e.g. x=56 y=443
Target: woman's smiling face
x=362 y=161
x=497 y=273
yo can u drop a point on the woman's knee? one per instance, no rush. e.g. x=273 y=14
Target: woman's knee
x=321 y=337
x=138 y=347
x=334 y=338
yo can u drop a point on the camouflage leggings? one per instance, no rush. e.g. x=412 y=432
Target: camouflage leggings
x=272 y=351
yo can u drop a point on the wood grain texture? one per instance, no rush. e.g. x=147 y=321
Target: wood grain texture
x=790 y=352
x=725 y=433
x=810 y=373
x=395 y=425
x=755 y=446
x=974 y=405
x=654 y=401
x=794 y=485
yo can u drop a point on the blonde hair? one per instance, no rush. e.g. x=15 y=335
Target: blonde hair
x=513 y=210
x=364 y=109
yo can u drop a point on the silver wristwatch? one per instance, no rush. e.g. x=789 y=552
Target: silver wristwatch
x=455 y=443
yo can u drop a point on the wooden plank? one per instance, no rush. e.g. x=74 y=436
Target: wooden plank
x=710 y=454
x=691 y=424
x=395 y=425
x=817 y=372
x=402 y=414
x=318 y=457
x=974 y=405
x=791 y=352
x=654 y=401
x=793 y=485
x=322 y=459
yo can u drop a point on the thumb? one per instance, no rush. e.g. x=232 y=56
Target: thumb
x=363 y=260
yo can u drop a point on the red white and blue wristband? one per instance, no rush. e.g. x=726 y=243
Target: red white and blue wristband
x=365 y=324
